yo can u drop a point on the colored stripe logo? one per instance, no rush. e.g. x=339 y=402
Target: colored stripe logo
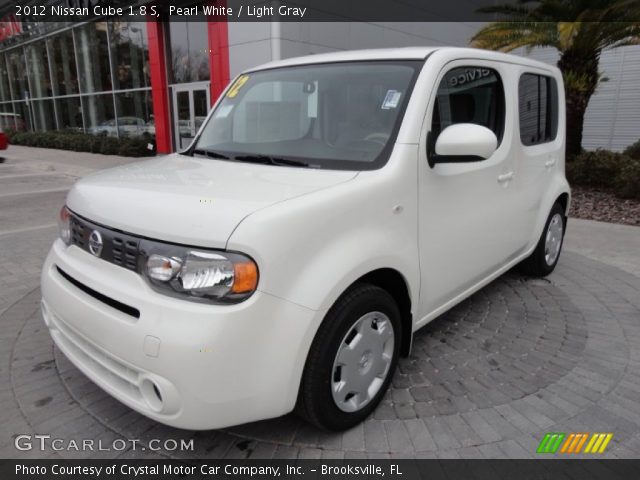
x=574 y=443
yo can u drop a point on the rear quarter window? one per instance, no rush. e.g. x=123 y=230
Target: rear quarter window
x=538 y=108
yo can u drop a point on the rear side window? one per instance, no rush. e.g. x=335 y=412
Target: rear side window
x=538 y=107
x=469 y=95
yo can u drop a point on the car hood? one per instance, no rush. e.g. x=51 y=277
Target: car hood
x=189 y=200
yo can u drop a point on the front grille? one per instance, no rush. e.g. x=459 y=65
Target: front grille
x=118 y=248
x=125 y=252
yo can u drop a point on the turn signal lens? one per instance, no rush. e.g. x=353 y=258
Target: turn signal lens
x=163 y=268
x=64 y=225
x=245 y=277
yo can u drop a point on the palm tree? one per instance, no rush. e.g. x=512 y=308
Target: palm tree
x=579 y=29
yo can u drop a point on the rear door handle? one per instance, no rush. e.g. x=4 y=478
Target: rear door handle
x=550 y=163
x=505 y=177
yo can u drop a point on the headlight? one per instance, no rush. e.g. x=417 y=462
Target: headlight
x=198 y=274
x=64 y=225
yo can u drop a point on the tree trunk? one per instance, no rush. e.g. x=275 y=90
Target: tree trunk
x=580 y=72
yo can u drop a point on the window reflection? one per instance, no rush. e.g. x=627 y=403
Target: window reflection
x=18 y=74
x=24 y=115
x=5 y=93
x=93 y=60
x=130 y=52
x=10 y=120
x=189 y=52
x=38 y=69
x=43 y=117
x=63 y=64
x=43 y=84
x=98 y=115
x=69 y=113
x=135 y=114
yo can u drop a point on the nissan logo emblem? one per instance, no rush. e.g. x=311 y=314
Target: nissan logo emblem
x=95 y=243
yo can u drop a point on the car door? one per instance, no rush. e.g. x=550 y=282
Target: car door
x=465 y=217
x=540 y=147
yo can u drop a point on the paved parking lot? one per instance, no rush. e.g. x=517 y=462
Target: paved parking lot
x=488 y=379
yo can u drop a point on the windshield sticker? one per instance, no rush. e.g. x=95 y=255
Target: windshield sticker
x=223 y=111
x=233 y=91
x=391 y=100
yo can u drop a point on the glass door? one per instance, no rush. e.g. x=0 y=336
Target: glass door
x=191 y=104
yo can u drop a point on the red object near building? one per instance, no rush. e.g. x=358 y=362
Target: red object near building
x=4 y=141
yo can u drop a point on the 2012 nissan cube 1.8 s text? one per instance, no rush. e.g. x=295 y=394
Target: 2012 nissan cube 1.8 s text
x=328 y=208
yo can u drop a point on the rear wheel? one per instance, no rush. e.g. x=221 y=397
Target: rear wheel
x=351 y=360
x=544 y=258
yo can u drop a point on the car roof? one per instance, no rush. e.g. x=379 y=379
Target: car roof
x=402 y=53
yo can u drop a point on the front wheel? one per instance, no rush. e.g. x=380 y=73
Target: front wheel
x=351 y=360
x=544 y=258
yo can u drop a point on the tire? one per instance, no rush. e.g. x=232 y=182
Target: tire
x=366 y=321
x=543 y=260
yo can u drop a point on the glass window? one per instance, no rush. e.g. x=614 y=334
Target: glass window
x=18 y=74
x=9 y=120
x=24 y=116
x=43 y=115
x=200 y=107
x=5 y=92
x=98 y=114
x=63 y=64
x=335 y=116
x=538 y=109
x=130 y=52
x=135 y=114
x=38 y=69
x=93 y=57
x=188 y=45
x=469 y=95
x=69 y=111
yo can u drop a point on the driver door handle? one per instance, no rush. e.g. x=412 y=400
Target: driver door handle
x=505 y=177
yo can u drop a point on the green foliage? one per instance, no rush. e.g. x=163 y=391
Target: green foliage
x=587 y=26
x=627 y=184
x=607 y=170
x=82 y=142
x=579 y=29
x=633 y=150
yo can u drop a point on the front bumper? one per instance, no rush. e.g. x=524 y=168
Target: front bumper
x=181 y=363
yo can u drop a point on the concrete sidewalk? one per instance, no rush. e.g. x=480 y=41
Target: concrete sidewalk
x=64 y=162
x=610 y=243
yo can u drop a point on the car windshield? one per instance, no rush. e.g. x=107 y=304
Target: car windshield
x=333 y=116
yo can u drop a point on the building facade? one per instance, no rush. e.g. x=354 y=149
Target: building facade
x=158 y=80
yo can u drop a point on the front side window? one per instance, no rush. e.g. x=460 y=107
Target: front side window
x=469 y=95
x=334 y=116
x=538 y=109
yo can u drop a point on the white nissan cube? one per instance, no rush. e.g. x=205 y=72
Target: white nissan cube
x=328 y=208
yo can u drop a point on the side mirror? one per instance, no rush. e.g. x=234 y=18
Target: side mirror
x=464 y=142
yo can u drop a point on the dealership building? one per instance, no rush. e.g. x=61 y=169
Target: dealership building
x=159 y=79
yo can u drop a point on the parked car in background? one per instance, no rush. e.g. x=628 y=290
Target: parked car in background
x=328 y=208
x=127 y=126
x=12 y=121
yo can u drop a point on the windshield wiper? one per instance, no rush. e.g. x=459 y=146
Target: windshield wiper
x=267 y=160
x=210 y=153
